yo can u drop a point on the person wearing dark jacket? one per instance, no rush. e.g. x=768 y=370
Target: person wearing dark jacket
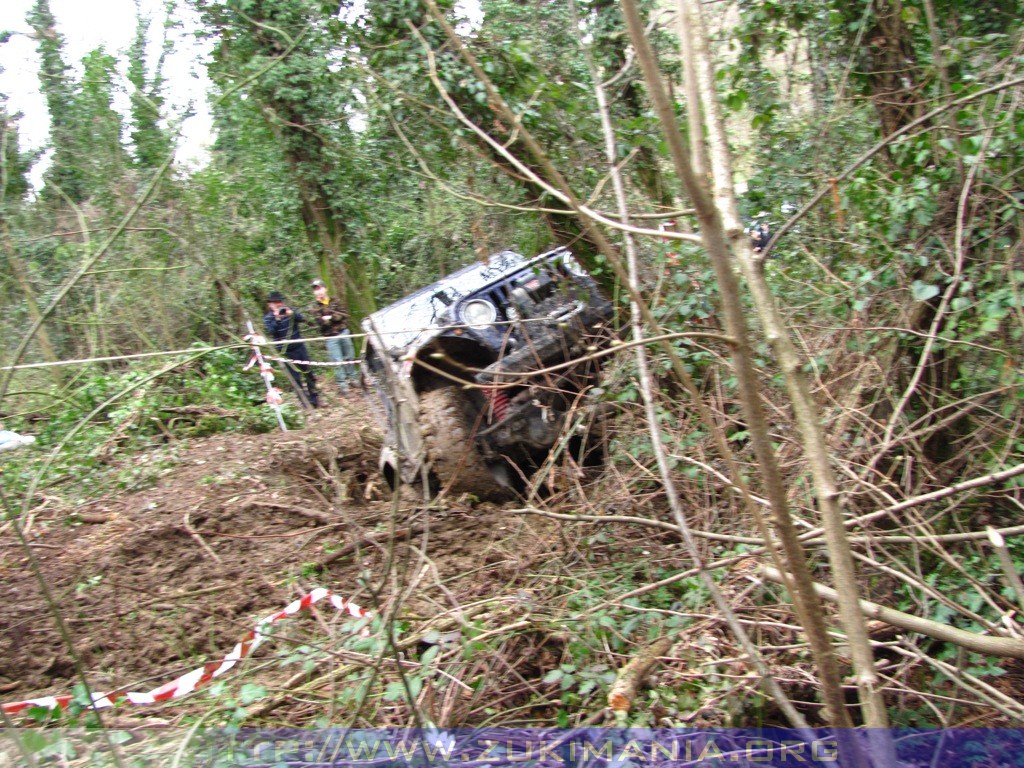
x=331 y=316
x=282 y=324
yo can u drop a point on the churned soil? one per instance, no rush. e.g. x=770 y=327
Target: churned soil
x=154 y=583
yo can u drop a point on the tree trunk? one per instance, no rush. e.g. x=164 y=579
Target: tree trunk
x=806 y=603
x=804 y=407
x=892 y=71
x=20 y=273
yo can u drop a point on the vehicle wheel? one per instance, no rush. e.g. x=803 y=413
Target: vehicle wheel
x=447 y=437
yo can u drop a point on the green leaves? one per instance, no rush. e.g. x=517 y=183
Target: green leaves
x=203 y=397
x=736 y=99
x=251 y=692
x=922 y=291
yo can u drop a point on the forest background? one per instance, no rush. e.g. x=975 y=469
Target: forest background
x=862 y=373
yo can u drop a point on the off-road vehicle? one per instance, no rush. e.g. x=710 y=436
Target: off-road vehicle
x=486 y=374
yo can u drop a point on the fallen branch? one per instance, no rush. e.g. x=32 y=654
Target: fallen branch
x=33 y=544
x=372 y=538
x=94 y=518
x=1006 y=562
x=199 y=539
x=992 y=646
x=301 y=681
x=811 y=537
x=164 y=601
x=316 y=515
x=632 y=676
x=200 y=410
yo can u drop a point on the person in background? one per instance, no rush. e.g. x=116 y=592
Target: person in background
x=331 y=316
x=759 y=232
x=282 y=324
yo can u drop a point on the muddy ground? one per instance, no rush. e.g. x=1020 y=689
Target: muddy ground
x=154 y=583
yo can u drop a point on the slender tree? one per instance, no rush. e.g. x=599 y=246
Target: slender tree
x=150 y=138
x=99 y=130
x=14 y=185
x=59 y=88
x=278 y=55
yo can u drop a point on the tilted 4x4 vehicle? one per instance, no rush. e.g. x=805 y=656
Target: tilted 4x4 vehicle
x=484 y=372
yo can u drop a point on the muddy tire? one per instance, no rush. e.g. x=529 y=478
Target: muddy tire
x=447 y=436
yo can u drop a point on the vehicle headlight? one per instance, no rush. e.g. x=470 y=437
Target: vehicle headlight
x=478 y=313
x=573 y=266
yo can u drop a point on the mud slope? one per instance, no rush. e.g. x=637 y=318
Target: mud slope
x=168 y=578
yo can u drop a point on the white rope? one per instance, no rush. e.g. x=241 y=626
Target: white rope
x=115 y=358
x=244 y=345
x=311 y=362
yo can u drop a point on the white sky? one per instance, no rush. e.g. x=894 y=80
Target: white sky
x=86 y=25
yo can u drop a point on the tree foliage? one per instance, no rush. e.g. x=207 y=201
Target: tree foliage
x=881 y=141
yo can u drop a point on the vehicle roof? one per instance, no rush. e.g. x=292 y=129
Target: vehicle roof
x=417 y=314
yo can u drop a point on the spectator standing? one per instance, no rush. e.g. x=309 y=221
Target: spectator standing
x=759 y=232
x=331 y=316
x=282 y=324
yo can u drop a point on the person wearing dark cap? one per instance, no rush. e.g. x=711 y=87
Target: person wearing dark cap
x=759 y=232
x=282 y=324
x=331 y=317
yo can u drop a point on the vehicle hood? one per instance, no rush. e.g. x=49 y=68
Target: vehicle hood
x=411 y=322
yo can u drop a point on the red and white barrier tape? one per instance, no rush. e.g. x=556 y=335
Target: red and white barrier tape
x=274 y=396
x=197 y=678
